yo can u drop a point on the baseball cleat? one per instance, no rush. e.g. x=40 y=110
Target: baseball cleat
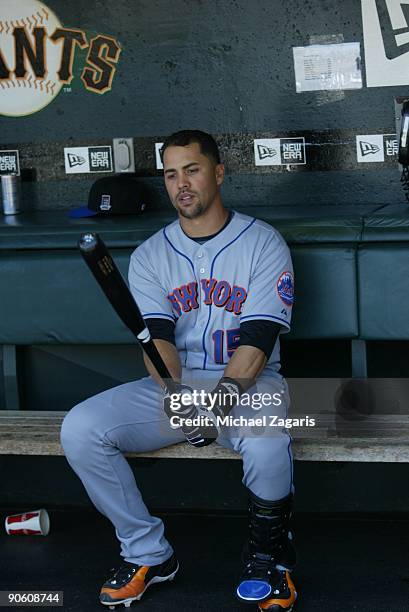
x=269 y=556
x=283 y=596
x=130 y=581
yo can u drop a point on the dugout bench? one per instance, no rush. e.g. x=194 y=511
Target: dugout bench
x=351 y=283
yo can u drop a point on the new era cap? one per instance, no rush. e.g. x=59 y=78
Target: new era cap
x=114 y=195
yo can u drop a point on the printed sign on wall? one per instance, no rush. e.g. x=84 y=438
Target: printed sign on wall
x=376 y=147
x=37 y=55
x=279 y=151
x=88 y=159
x=386 y=40
x=9 y=162
x=331 y=67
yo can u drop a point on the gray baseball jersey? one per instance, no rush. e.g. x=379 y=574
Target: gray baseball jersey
x=243 y=273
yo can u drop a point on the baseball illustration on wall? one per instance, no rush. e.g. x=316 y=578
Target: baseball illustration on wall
x=37 y=56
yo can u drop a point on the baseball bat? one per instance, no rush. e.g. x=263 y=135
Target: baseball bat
x=109 y=278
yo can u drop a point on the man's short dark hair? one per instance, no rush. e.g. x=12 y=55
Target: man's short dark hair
x=183 y=138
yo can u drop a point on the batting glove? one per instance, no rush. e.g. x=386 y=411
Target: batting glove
x=173 y=405
x=227 y=393
x=198 y=428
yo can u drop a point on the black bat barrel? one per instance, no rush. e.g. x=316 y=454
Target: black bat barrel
x=102 y=266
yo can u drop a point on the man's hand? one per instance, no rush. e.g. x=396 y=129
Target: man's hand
x=224 y=396
x=198 y=427
x=174 y=407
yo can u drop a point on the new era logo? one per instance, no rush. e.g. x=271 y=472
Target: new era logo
x=264 y=151
x=9 y=162
x=279 y=151
x=391 y=145
x=367 y=148
x=293 y=150
x=100 y=159
x=376 y=148
x=75 y=160
x=88 y=159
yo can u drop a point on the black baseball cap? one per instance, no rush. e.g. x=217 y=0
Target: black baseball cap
x=114 y=195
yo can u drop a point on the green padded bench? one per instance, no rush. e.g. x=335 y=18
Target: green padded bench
x=47 y=295
x=383 y=269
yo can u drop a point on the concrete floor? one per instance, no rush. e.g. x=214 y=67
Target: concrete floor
x=344 y=563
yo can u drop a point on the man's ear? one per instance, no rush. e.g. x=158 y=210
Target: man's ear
x=219 y=171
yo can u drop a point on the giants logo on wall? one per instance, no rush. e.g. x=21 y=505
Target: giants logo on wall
x=37 y=56
x=386 y=38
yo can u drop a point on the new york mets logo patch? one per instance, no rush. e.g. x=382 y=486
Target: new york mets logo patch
x=285 y=288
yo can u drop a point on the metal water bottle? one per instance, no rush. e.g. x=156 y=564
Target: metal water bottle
x=11 y=190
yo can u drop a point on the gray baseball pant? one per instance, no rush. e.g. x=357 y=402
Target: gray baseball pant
x=129 y=418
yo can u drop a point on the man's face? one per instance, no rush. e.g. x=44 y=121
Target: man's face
x=192 y=180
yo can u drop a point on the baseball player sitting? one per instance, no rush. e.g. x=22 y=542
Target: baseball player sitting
x=216 y=290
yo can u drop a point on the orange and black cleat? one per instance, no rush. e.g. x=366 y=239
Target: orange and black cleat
x=130 y=582
x=283 y=596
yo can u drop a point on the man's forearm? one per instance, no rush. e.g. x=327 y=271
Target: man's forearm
x=170 y=356
x=246 y=364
